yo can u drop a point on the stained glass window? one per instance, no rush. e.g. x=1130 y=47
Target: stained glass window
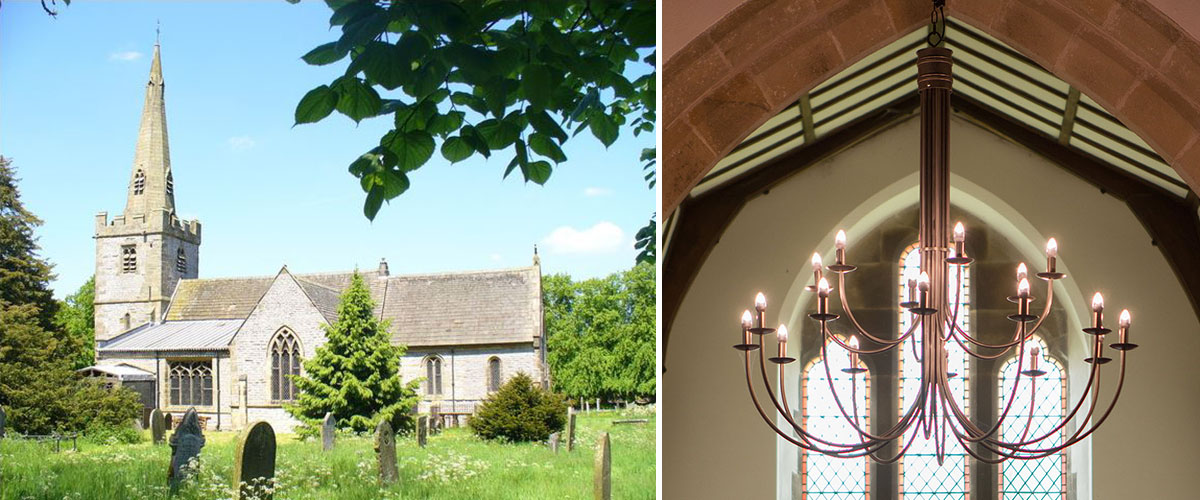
x=1043 y=478
x=825 y=477
x=920 y=475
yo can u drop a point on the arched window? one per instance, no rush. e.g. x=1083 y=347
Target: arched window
x=826 y=477
x=181 y=261
x=1043 y=478
x=191 y=383
x=433 y=376
x=285 y=361
x=139 y=182
x=128 y=258
x=920 y=474
x=125 y=322
x=493 y=374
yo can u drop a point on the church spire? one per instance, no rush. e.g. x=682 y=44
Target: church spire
x=150 y=184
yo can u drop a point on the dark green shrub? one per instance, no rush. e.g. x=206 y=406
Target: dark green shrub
x=520 y=411
x=110 y=435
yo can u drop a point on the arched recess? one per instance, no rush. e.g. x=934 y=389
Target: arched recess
x=762 y=56
x=1002 y=219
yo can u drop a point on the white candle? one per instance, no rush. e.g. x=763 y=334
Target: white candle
x=839 y=242
x=1022 y=272
x=1051 y=255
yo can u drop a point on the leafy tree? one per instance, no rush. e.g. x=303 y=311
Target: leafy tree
x=77 y=318
x=520 y=411
x=601 y=334
x=38 y=387
x=356 y=374
x=484 y=77
x=24 y=276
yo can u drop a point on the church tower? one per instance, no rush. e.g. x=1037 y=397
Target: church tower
x=143 y=253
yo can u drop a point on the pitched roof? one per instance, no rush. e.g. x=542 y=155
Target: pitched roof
x=197 y=335
x=462 y=308
x=121 y=371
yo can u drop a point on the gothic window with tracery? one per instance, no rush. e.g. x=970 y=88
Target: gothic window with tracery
x=139 y=182
x=825 y=477
x=285 y=364
x=920 y=474
x=1043 y=478
x=191 y=383
x=129 y=258
x=433 y=376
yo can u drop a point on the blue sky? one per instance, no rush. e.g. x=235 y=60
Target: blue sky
x=268 y=194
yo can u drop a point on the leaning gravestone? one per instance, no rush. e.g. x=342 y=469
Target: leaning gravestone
x=554 y=439
x=186 y=442
x=435 y=421
x=254 y=463
x=3 y=420
x=158 y=426
x=385 y=450
x=422 y=430
x=570 y=429
x=602 y=475
x=328 y=428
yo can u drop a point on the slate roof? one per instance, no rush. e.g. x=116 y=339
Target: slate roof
x=462 y=308
x=191 y=335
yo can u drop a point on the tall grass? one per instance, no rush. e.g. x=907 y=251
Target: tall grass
x=454 y=465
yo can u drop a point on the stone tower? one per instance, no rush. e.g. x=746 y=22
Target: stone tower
x=143 y=253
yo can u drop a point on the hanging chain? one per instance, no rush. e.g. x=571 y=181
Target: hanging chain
x=937 y=24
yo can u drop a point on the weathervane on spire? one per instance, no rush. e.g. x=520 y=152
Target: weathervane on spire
x=157 y=30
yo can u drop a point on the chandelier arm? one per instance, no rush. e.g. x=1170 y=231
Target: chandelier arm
x=1032 y=405
x=1070 y=416
x=754 y=398
x=1022 y=447
x=860 y=350
x=976 y=433
x=850 y=314
x=896 y=457
x=888 y=436
x=1027 y=336
x=1098 y=422
x=787 y=415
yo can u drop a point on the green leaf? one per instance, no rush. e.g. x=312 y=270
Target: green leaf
x=357 y=99
x=381 y=63
x=456 y=149
x=538 y=85
x=476 y=140
x=604 y=128
x=412 y=148
x=363 y=28
x=538 y=171
x=542 y=144
x=590 y=99
x=543 y=123
x=374 y=202
x=498 y=133
x=324 y=54
x=316 y=105
x=394 y=183
x=443 y=125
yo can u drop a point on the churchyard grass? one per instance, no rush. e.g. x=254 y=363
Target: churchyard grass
x=454 y=465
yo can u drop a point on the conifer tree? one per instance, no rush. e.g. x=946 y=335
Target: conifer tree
x=24 y=277
x=356 y=374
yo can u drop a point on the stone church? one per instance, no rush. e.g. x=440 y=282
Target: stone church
x=227 y=345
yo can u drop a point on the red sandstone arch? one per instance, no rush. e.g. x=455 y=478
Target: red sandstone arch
x=763 y=55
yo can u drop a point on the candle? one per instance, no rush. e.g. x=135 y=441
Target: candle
x=1097 y=310
x=1124 y=322
x=1023 y=297
x=960 y=236
x=839 y=242
x=923 y=286
x=1022 y=272
x=1033 y=357
x=822 y=296
x=760 y=305
x=912 y=290
x=782 y=334
x=853 y=355
x=816 y=267
x=1051 y=255
x=747 y=323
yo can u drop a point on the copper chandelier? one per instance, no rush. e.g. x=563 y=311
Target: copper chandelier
x=935 y=412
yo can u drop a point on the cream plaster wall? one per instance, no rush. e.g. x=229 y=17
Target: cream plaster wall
x=716 y=446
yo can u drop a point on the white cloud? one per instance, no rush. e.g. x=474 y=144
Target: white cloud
x=241 y=143
x=604 y=237
x=495 y=257
x=592 y=192
x=125 y=56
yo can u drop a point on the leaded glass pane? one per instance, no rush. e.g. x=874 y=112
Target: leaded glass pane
x=920 y=475
x=825 y=477
x=1043 y=478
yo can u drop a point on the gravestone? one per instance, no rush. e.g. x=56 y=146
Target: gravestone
x=570 y=429
x=3 y=420
x=167 y=421
x=422 y=430
x=602 y=474
x=385 y=450
x=158 y=426
x=186 y=443
x=554 y=438
x=254 y=462
x=328 y=428
x=435 y=420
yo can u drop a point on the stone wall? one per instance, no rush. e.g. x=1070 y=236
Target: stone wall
x=223 y=384
x=465 y=371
